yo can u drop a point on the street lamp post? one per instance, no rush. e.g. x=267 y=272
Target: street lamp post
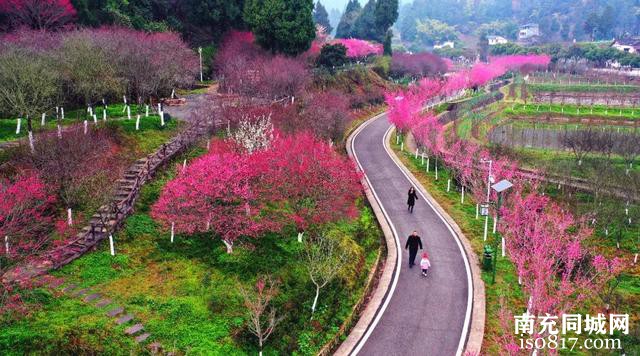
x=499 y=187
x=200 y=54
x=490 y=180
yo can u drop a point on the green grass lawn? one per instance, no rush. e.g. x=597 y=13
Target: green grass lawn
x=519 y=109
x=186 y=293
x=115 y=112
x=589 y=88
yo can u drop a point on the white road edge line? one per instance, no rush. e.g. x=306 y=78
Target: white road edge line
x=467 y=317
x=380 y=312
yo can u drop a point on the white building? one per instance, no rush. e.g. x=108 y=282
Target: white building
x=630 y=45
x=449 y=44
x=528 y=31
x=494 y=40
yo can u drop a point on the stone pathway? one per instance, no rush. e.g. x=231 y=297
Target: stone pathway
x=117 y=313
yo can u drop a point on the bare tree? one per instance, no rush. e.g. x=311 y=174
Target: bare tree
x=262 y=316
x=627 y=146
x=581 y=142
x=325 y=258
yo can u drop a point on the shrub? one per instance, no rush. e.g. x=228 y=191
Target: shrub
x=332 y=55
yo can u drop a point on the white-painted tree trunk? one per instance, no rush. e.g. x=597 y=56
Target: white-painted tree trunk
x=18 y=125
x=486 y=228
x=300 y=235
x=635 y=259
x=315 y=301
x=228 y=245
x=59 y=131
x=138 y=122
x=436 y=170
x=495 y=223
x=448 y=185
x=90 y=110
x=173 y=226
x=208 y=144
x=86 y=126
x=477 y=210
x=69 y=217
x=128 y=112
x=6 y=244
x=184 y=165
x=428 y=163
x=124 y=98
x=112 y=248
x=43 y=119
x=504 y=247
x=146 y=111
x=104 y=115
x=95 y=118
x=402 y=146
x=161 y=118
x=422 y=159
x=416 y=154
x=31 y=146
x=462 y=196
x=62 y=113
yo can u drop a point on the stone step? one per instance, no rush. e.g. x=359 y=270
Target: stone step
x=56 y=283
x=155 y=347
x=114 y=312
x=124 y=319
x=81 y=292
x=103 y=302
x=69 y=288
x=142 y=337
x=134 y=329
x=92 y=297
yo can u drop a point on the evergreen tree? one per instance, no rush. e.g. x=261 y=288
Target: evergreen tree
x=321 y=17
x=281 y=26
x=365 y=25
x=349 y=17
x=386 y=45
x=386 y=15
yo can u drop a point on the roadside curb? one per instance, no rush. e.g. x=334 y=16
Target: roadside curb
x=473 y=345
x=378 y=295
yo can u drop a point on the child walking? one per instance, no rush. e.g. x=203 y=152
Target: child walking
x=425 y=264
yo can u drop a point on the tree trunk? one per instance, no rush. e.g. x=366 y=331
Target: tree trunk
x=315 y=301
x=69 y=217
x=229 y=246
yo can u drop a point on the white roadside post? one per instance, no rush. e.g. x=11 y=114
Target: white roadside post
x=112 y=248
x=489 y=182
x=138 y=122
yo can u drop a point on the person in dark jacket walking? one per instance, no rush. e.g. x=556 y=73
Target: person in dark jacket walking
x=413 y=242
x=411 y=200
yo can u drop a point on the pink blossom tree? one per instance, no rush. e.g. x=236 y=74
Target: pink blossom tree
x=216 y=191
x=308 y=182
x=357 y=48
x=25 y=215
x=403 y=105
x=38 y=14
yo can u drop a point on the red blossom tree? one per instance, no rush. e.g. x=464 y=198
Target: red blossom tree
x=326 y=114
x=309 y=182
x=25 y=215
x=38 y=14
x=217 y=191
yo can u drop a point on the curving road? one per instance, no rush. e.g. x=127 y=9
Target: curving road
x=420 y=316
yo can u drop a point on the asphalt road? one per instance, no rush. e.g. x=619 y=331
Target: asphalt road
x=424 y=315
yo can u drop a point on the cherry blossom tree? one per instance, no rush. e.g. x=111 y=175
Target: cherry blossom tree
x=25 y=215
x=357 y=48
x=403 y=105
x=308 y=182
x=546 y=244
x=416 y=65
x=217 y=191
x=38 y=14
x=326 y=114
x=253 y=134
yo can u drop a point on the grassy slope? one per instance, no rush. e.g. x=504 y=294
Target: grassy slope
x=185 y=293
